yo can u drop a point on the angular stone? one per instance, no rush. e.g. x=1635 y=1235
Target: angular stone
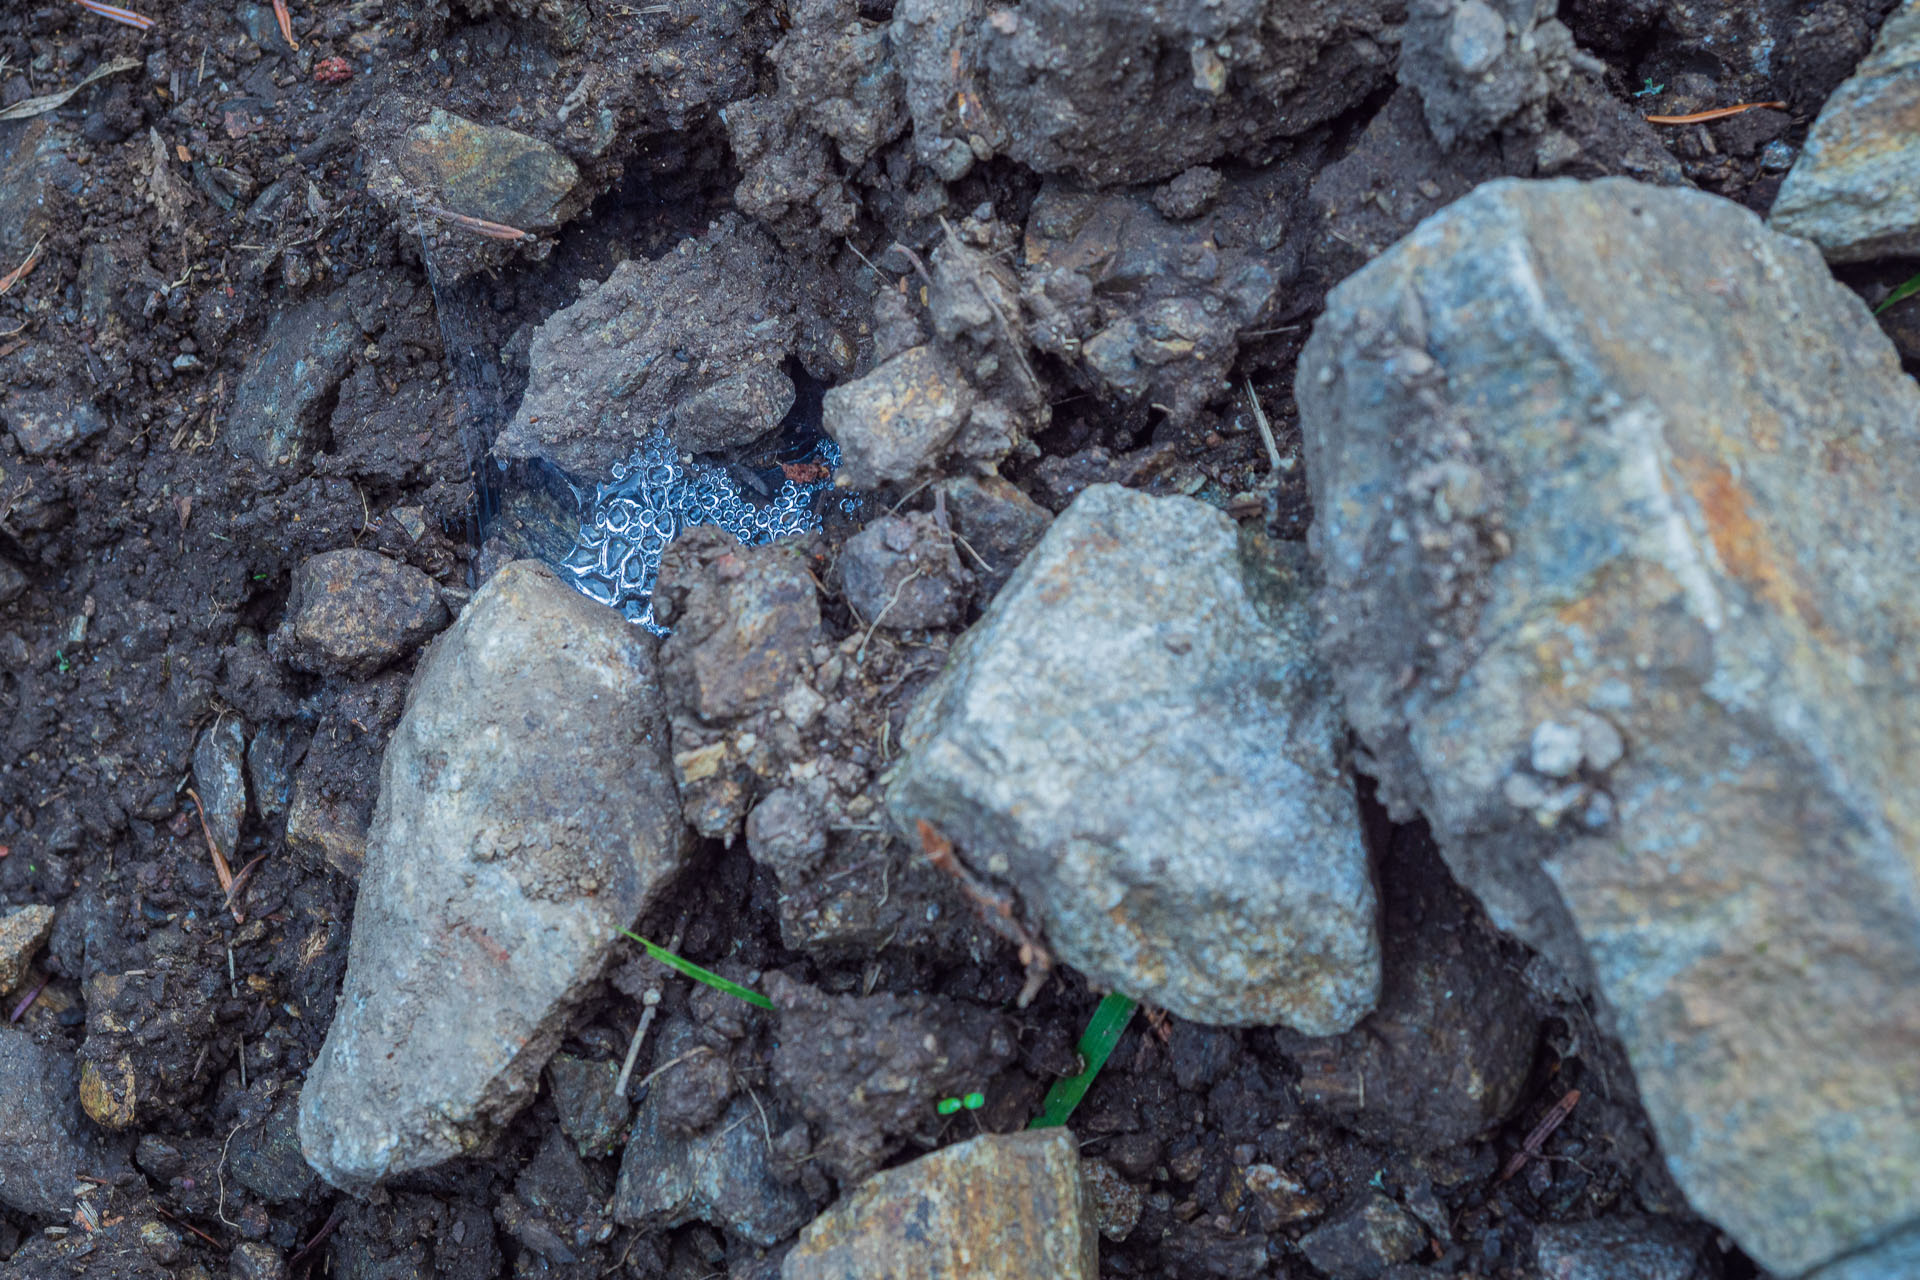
x=265 y=1157
x=1361 y=1243
x=999 y=522
x=13 y=582
x=1855 y=190
x=326 y=829
x=488 y=172
x=1600 y=449
x=724 y=1176
x=694 y=341
x=904 y=572
x=1138 y=736
x=1617 y=1249
x=284 y=396
x=23 y=931
x=591 y=1113
x=50 y=420
x=892 y=424
x=1006 y=1205
x=526 y=811
x=353 y=611
x=40 y=1150
x=220 y=781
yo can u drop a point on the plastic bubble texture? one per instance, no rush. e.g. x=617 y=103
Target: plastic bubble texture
x=652 y=496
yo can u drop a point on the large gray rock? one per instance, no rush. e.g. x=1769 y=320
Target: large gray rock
x=1855 y=191
x=1137 y=734
x=998 y=1205
x=694 y=341
x=1614 y=501
x=526 y=811
x=40 y=1151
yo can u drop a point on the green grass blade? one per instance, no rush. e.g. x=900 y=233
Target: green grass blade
x=1901 y=293
x=698 y=974
x=1096 y=1042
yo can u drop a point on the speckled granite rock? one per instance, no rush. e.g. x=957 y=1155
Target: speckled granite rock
x=1008 y=1206
x=1138 y=736
x=1614 y=497
x=1855 y=190
x=527 y=810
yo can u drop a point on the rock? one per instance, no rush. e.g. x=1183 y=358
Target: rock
x=591 y=1112
x=23 y=931
x=1364 y=1240
x=725 y=1176
x=1063 y=86
x=1116 y=1202
x=284 y=397
x=352 y=612
x=999 y=522
x=1173 y=297
x=1445 y=1055
x=744 y=619
x=1009 y=1204
x=1855 y=190
x=148 y=1044
x=837 y=98
x=13 y=583
x=904 y=572
x=1190 y=194
x=1695 y=535
x=1899 y=1256
x=694 y=341
x=866 y=1070
x=250 y=1261
x=1484 y=65
x=219 y=778
x=326 y=830
x=1617 y=1249
x=265 y=1157
x=118 y=1249
x=526 y=811
x=417 y=152
x=1061 y=749
x=893 y=423
x=40 y=1148
x=558 y=1207
x=50 y=420
x=269 y=769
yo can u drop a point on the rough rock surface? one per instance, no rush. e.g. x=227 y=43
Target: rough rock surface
x=22 y=931
x=999 y=1204
x=284 y=396
x=893 y=423
x=40 y=1150
x=1362 y=1242
x=726 y=1175
x=693 y=341
x=1855 y=190
x=905 y=572
x=1616 y=1249
x=353 y=611
x=1138 y=736
x=1134 y=93
x=52 y=419
x=999 y=524
x=526 y=811
x=1620 y=460
x=1480 y=65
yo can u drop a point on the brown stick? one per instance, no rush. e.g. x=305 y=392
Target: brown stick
x=1718 y=113
x=479 y=226
x=221 y=870
x=19 y=273
x=1556 y=1115
x=286 y=22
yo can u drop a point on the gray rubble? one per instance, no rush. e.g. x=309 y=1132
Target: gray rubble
x=1855 y=190
x=726 y=1175
x=220 y=779
x=527 y=810
x=40 y=1145
x=1481 y=65
x=1612 y=471
x=1015 y=1198
x=1138 y=736
x=694 y=341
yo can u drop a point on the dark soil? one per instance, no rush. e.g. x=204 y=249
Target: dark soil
x=218 y=185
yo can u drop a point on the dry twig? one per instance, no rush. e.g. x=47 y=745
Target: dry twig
x=222 y=871
x=285 y=20
x=29 y=107
x=21 y=272
x=1555 y=1117
x=479 y=226
x=996 y=909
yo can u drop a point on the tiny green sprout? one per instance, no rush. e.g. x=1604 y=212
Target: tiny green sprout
x=972 y=1102
x=259 y=577
x=1900 y=294
x=1648 y=88
x=65 y=666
